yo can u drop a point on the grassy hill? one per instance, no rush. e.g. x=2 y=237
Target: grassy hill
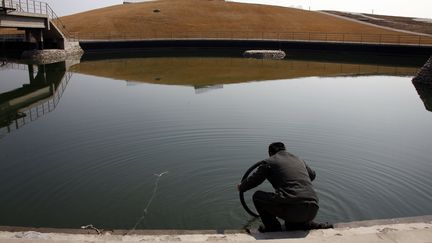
x=220 y=19
x=208 y=18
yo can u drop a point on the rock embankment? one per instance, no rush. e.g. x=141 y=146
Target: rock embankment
x=72 y=49
x=265 y=54
x=424 y=76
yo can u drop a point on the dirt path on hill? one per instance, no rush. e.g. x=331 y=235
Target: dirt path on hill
x=406 y=24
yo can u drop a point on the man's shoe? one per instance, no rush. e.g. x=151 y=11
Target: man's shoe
x=307 y=226
x=263 y=229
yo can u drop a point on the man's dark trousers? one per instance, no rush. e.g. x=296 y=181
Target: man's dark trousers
x=270 y=207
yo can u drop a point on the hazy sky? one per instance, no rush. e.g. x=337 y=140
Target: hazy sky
x=414 y=8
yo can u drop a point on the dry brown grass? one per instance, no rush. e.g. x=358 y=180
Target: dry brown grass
x=211 y=71
x=219 y=19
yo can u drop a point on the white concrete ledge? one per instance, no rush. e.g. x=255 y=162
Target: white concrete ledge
x=417 y=229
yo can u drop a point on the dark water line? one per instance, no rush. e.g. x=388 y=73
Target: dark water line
x=133 y=45
x=410 y=59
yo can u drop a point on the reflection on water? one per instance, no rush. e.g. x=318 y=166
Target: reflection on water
x=199 y=72
x=92 y=160
x=40 y=96
x=207 y=74
x=207 y=88
x=425 y=93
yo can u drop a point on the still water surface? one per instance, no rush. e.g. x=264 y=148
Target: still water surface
x=83 y=146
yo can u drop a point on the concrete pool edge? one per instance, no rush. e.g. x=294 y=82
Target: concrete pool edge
x=410 y=229
x=368 y=223
x=118 y=231
x=90 y=46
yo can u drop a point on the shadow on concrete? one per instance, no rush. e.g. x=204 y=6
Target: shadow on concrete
x=251 y=227
x=279 y=235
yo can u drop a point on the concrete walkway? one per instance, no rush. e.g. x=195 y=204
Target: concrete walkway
x=418 y=229
x=374 y=25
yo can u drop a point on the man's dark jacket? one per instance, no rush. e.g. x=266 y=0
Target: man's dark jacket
x=290 y=177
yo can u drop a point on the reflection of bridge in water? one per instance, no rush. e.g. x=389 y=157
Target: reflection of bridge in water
x=31 y=101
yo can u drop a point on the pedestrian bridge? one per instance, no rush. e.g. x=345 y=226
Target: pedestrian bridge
x=40 y=22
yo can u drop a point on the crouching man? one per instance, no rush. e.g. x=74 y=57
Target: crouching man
x=294 y=200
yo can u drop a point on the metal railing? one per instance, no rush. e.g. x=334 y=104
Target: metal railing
x=28 y=6
x=357 y=38
x=58 y=23
x=36 y=7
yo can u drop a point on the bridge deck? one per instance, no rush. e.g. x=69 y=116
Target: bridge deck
x=32 y=14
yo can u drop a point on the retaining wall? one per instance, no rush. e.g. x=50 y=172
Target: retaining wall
x=109 y=45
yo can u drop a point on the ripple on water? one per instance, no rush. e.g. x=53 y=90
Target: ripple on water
x=104 y=162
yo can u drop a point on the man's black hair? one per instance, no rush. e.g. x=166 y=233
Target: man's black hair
x=275 y=147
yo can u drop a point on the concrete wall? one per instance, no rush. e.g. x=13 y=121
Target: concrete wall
x=96 y=46
x=12 y=21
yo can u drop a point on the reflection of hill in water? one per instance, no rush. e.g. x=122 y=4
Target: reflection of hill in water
x=210 y=71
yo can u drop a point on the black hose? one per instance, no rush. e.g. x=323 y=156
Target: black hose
x=246 y=175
